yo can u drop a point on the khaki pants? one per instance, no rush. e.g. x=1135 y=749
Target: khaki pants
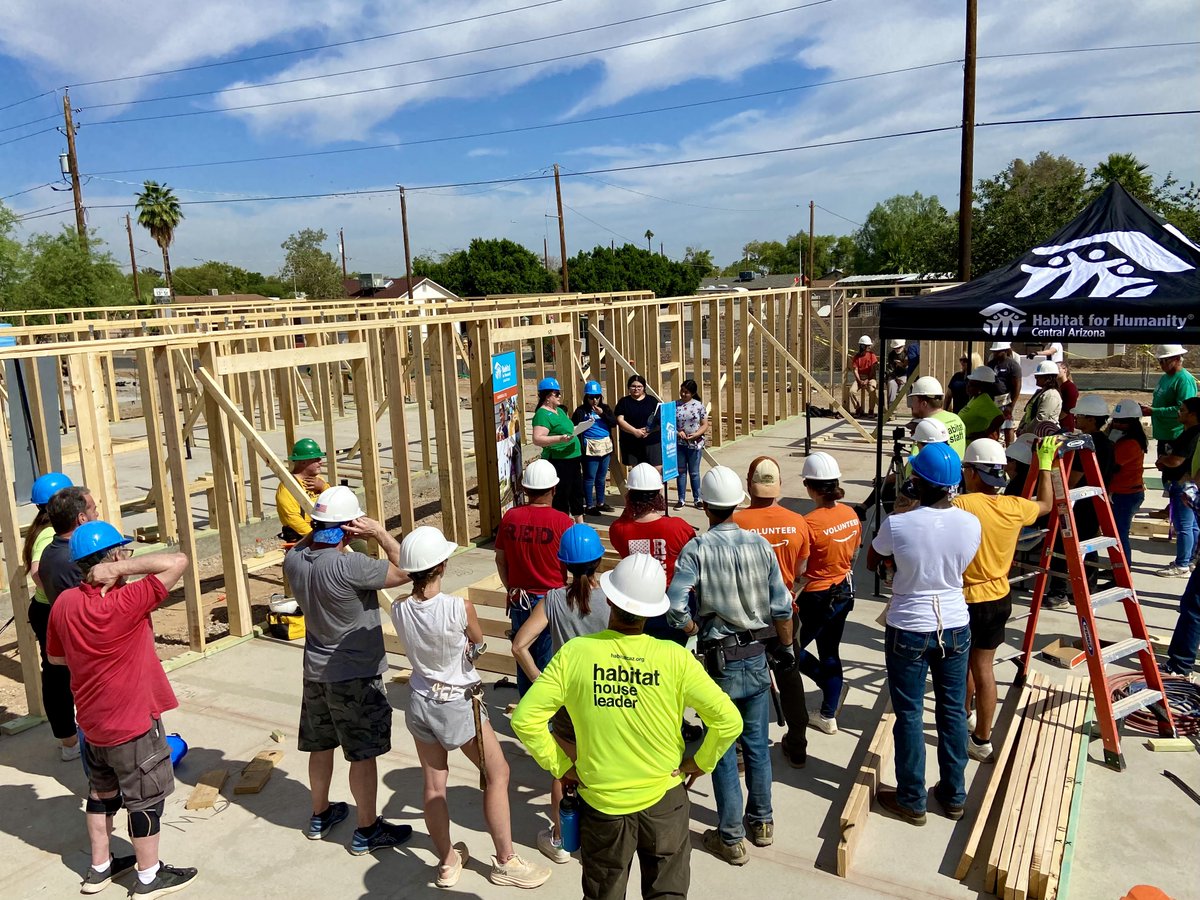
x=658 y=834
x=864 y=396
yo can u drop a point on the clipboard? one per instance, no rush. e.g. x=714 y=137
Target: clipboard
x=582 y=427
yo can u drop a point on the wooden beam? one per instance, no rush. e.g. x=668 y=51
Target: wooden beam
x=152 y=414
x=866 y=785
x=289 y=358
x=393 y=358
x=483 y=419
x=91 y=427
x=364 y=406
x=37 y=412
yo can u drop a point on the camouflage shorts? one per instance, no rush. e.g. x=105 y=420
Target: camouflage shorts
x=354 y=715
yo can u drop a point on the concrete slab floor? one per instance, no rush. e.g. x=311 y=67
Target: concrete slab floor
x=1135 y=827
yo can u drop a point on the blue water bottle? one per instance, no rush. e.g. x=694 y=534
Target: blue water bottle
x=568 y=820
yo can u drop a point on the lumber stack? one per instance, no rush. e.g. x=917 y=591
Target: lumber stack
x=866 y=783
x=1025 y=815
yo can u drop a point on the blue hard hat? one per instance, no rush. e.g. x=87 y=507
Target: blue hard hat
x=47 y=486
x=549 y=384
x=580 y=544
x=95 y=537
x=593 y=388
x=938 y=464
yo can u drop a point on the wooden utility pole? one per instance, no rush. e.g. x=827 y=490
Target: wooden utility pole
x=342 y=249
x=407 y=251
x=73 y=167
x=546 y=252
x=562 y=233
x=966 y=166
x=137 y=293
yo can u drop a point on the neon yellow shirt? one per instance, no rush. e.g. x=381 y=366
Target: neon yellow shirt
x=40 y=543
x=954 y=425
x=626 y=695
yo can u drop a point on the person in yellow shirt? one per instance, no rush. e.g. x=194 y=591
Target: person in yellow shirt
x=306 y=459
x=626 y=693
x=985 y=582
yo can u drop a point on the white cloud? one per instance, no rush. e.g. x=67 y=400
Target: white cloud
x=480 y=152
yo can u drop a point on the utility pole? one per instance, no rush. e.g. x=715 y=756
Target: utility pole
x=562 y=233
x=812 y=216
x=546 y=252
x=342 y=248
x=73 y=166
x=661 y=251
x=966 y=167
x=137 y=293
x=407 y=252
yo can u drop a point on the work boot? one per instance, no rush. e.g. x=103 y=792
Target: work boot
x=797 y=759
x=888 y=800
x=734 y=854
x=953 y=812
x=761 y=834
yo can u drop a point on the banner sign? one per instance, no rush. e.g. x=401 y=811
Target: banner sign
x=506 y=401
x=670 y=447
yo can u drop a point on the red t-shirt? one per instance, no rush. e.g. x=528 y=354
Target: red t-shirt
x=662 y=539
x=108 y=642
x=529 y=537
x=865 y=363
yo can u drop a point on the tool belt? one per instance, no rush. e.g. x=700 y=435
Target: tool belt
x=741 y=645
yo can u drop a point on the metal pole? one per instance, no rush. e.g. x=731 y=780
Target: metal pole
x=407 y=252
x=966 y=176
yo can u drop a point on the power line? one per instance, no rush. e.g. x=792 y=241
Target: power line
x=27 y=190
x=1090 y=49
x=620 y=187
x=597 y=224
x=838 y=215
x=442 y=78
x=26 y=136
x=407 y=62
x=26 y=100
x=363 y=40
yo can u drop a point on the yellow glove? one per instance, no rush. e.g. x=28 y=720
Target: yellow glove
x=1047 y=450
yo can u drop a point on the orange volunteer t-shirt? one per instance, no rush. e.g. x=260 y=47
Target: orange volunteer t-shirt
x=787 y=532
x=1130 y=461
x=836 y=536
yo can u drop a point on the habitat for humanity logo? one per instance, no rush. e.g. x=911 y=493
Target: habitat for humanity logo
x=501 y=372
x=1002 y=319
x=1118 y=263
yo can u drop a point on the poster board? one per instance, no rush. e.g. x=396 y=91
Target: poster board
x=670 y=447
x=506 y=403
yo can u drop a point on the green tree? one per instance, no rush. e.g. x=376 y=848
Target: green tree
x=649 y=235
x=630 y=268
x=1180 y=205
x=1131 y=174
x=1023 y=206
x=906 y=234
x=700 y=260
x=61 y=272
x=159 y=213
x=12 y=259
x=489 y=266
x=309 y=268
x=227 y=278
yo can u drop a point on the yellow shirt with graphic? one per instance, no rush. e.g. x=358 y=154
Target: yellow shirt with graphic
x=626 y=695
x=287 y=507
x=1002 y=518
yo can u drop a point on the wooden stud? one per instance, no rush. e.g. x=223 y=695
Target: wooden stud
x=420 y=375
x=109 y=374
x=393 y=367
x=164 y=506
x=866 y=785
x=716 y=414
x=728 y=328
x=484 y=427
x=91 y=427
x=364 y=407
x=208 y=788
x=37 y=413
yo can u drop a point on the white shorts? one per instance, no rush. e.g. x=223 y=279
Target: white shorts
x=449 y=723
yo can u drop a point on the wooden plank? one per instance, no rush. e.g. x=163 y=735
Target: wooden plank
x=1171 y=745
x=208 y=788
x=1015 y=880
x=1064 y=843
x=258 y=772
x=450 y=455
x=393 y=360
x=364 y=406
x=866 y=785
x=160 y=491
x=530 y=332
x=421 y=377
x=1043 y=847
x=484 y=428
x=716 y=428
x=289 y=358
x=91 y=427
x=37 y=413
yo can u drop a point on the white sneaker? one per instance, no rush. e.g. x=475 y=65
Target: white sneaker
x=551 y=847
x=518 y=873
x=972 y=721
x=1174 y=570
x=980 y=752
x=68 y=754
x=821 y=723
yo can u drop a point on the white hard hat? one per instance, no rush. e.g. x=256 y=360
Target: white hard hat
x=983 y=374
x=927 y=386
x=931 y=431
x=1090 y=405
x=1000 y=345
x=896 y=343
x=1127 y=409
x=865 y=341
x=1021 y=449
x=1046 y=367
x=285 y=606
x=985 y=452
x=644 y=477
x=721 y=487
x=1166 y=351
x=423 y=548
x=540 y=475
x=337 y=504
x=637 y=585
x=821 y=467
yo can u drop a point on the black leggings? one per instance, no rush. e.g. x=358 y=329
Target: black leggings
x=568 y=497
x=56 y=680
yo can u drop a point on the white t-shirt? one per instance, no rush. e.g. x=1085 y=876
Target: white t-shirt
x=434 y=634
x=932 y=548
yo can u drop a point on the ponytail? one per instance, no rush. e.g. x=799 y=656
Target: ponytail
x=579 y=591
x=828 y=490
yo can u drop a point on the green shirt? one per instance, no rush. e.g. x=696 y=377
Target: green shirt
x=980 y=412
x=40 y=543
x=626 y=695
x=954 y=425
x=1172 y=390
x=557 y=422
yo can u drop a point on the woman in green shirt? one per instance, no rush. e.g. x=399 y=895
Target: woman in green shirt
x=554 y=433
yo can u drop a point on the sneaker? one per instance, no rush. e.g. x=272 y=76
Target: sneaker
x=94 y=881
x=734 y=854
x=887 y=799
x=972 y=721
x=761 y=834
x=791 y=757
x=604 y=507
x=699 y=504
x=167 y=880
x=593 y=510
x=980 y=752
x=380 y=836
x=679 y=504
x=518 y=873
x=321 y=825
x=1056 y=601
x=953 y=812
x=448 y=875
x=827 y=724
x=68 y=754
x=1174 y=570
x=552 y=847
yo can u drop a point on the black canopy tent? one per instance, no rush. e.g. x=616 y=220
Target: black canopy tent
x=1117 y=273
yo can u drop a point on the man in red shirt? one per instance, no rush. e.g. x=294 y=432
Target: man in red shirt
x=527 y=556
x=101 y=631
x=866 y=371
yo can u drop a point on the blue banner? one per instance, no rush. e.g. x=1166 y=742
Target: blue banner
x=506 y=401
x=670 y=449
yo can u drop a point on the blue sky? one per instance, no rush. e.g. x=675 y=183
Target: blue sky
x=718 y=205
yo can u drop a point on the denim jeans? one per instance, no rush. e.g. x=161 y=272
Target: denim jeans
x=541 y=650
x=909 y=655
x=689 y=467
x=1185 y=641
x=1187 y=528
x=822 y=619
x=595 y=474
x=1124 y=508
x=748 y=684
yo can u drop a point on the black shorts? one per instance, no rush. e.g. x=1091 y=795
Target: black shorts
x=987 y=622
x=139 y=769
x=354 y=715
x=562 y=726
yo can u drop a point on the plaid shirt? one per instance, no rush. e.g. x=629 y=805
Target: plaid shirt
x=737 y=581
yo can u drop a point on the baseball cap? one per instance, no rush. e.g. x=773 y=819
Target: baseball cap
x=763 y=479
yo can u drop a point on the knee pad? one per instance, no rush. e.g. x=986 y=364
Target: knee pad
x=145 y=822
x=107 y=805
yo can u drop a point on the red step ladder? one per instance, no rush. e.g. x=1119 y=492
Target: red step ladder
x=1062 y=523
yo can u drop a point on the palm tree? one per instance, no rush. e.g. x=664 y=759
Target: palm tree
x=649 y=234
x=1127 y=169
x=159 y=213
